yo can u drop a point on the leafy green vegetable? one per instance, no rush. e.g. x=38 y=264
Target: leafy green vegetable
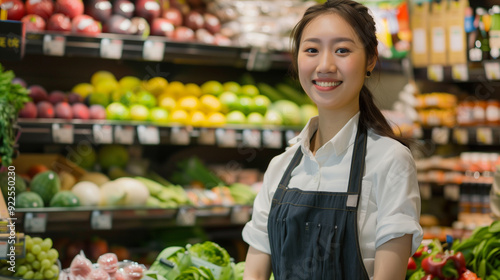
x=239 y=268
x=210 y=252
x=12 y=99
x=192 y=170
x=196 y=273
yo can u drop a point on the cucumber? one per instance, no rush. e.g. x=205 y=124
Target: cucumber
x=292 y=94
x=270 y=92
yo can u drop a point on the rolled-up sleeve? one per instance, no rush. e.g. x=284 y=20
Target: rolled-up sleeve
x=398 y=200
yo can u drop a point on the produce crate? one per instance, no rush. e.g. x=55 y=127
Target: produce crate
x=54 y=162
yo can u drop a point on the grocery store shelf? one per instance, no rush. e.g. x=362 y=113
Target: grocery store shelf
x=52 y=219
x=481 y=135
x=153 y=48
x=470 y=72
x=59 y=131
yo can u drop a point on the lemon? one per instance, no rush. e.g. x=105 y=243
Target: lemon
x=250 y=90
x=179 y=116
x=210 y=103
x=83 y=89
x=101 y=76
x=216 y=119
x=156 y=85
x=188 y=103
x=175 y=89
x=166 y=102
x=212 y=87
x=231 y=86
x=106 y=86
x=198 y=119
x=193 y=90
x=129 y=83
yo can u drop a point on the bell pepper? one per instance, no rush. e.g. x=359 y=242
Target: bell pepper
x=412 y=265
x=429 y=277
x=420 y=251
x=444 y=265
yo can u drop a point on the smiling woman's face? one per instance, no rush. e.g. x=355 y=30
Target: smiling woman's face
x=332 y=63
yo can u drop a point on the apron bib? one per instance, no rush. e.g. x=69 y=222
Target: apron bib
x=314 y=235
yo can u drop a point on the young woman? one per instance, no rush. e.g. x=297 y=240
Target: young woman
x=343 y=201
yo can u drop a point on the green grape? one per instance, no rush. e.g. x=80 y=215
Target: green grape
x=29 y=275
x=52 y=254
x=36 y=265
x=36 y=249
x=38 y=275
x=30 y=257
x=46 y=244
x=48 y=274
x=29 y=266
x=55 y=269
x=28 y=244
x=21 y=261
x=22 y=269
x=41 y=256
x=37 y=240
x=46 y=264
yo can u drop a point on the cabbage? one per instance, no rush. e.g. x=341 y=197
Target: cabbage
x=210 y=252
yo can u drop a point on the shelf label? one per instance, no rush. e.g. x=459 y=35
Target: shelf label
x=492 y=70
x=441 y=135
x=111 y=48
x=240 y=214
x=258 y=60
x=101 y=220
x=226 y=137
x=35 y=222
x=153 y=50
x=251 y=138
x=124 y=135
x=461 y=136
x=435 y=73
x=54 y=45
x=179 y=136
x=206 y=136
x=148 y=135
x=186 y=216
x=272 y=139
x=103 y=134
x=460 y=72
x=62 y=133
x=484 y=135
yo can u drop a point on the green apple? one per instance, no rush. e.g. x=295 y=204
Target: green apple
x=158 y=115
x=246 y=104
x=117 y=111
x=255 y=118
x=236 y=117
x=261 y=104
x=139 y=112
x=229 y=102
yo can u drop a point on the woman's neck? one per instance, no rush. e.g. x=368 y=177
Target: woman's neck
x=329 y=124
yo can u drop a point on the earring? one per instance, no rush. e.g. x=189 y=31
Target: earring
x=368 y=73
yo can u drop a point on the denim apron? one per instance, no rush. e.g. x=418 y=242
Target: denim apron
x=313 y=234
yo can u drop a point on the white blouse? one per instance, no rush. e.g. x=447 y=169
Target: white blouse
x=390 y=199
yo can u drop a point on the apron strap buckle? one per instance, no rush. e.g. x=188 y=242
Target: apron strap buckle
x=352 y=200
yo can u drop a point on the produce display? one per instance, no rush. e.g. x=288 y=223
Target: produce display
x=165 y=102
x=40 y=260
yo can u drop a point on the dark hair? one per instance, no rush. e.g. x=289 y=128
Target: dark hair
x=362 y=22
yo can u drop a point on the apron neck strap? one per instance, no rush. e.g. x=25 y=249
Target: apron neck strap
x=358 y=160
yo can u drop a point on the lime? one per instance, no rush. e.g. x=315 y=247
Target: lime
x=99 y=98
x=158 y=115
x=212 y=87
x=261 y=103
x=210 y=103
x=139 y=112
x=232 y=87
x=146 y=98
x=236 y=117
x=83 y=89
x=255 y=118
x=246 y=104
x=229 y=102
x=250 y=90
x=117 y=111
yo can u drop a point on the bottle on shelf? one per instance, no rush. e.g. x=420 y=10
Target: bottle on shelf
x=481 y=49
x=470 y=29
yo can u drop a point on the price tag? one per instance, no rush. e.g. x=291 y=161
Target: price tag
x=272 y=139
x=101 y=220
x=186 y=217
x=3 y=249
x=124 y=134
x=441 y=135
x=54 y=45
x=435 y=73
x=206 y=136
x=103 y=134
x=148 y=135
x=251 y=138
x=461 y=136
x=153 y=50
x=111 y=48
x=484 y=135
x=226 y=137
x=62 y=133
x=492 y=70
x=240 y=214
x=259 y=60
x=452 y=192
x=460 y=72
x=35 y=222
x=179 y=136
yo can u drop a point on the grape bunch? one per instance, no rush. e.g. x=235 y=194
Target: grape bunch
x=40 y=260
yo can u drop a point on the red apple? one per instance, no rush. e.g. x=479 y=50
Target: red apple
x=203 y=36
x=118 y=24
x=64 y=111
x=57 y=96
x=85 y=24
x=33 y=23
x=80 y=111
x=59 y=22
x=45 y=110
x=184 y=34
x=174 y=15
x=29 y=111
x=162 y=27
x=38 y=93
x=148 y=9
x=15 y=9
x=100 y=10
x=140 y=26
x=43 y=8
x=212 y=23
x=97 y=112
x=194 y=20
x=124 y=8
x=74 y=98
x=71 y=8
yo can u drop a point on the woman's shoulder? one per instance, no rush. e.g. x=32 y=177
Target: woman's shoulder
x=388 y=148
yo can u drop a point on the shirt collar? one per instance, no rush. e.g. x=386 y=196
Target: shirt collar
x=340 y=142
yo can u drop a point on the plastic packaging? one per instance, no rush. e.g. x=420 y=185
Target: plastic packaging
x=80 y=266
x=98 y=274
x=108 y=262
